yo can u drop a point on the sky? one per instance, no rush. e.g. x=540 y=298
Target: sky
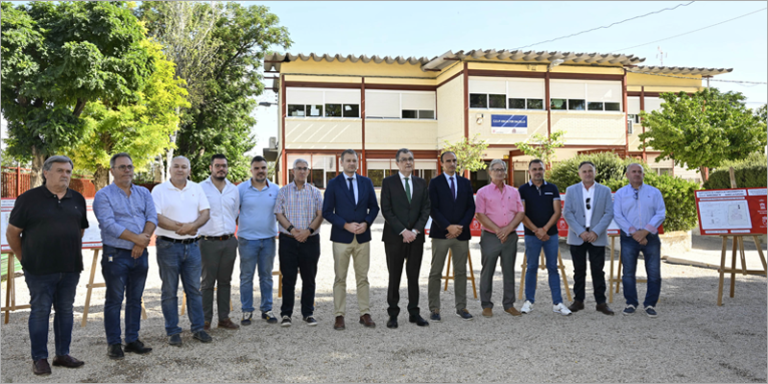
x=429 y=29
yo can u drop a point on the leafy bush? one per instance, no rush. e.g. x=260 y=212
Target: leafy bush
x=678 y=198
x=609 y=167
x=750 y=173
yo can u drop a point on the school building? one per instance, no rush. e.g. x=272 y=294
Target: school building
x=376 y=105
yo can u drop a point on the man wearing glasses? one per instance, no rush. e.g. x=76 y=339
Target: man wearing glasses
x=499 y=211
x=639 y=210
x=588 y=212
x=127 y=219
x=299 y=210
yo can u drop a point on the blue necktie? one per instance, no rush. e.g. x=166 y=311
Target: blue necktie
x=351 y=190
x=453 y=189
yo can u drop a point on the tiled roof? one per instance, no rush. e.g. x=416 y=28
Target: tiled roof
x=680 y=70
x=447 y=58
x=272 y=62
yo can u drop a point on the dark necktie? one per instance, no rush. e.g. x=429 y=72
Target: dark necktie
x=453 y=189
x=408 y=190
x=351 y=190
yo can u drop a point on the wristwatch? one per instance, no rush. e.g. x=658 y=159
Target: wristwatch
x=289 y=229
x=311 y=231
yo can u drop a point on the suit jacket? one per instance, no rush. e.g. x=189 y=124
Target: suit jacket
x=400 y=215
x=575 y=215
x=445 y=211
x=339 y=208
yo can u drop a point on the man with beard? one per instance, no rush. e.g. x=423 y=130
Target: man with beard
x=218 y=246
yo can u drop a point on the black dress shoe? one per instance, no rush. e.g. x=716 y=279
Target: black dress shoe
x=604 y=309
x=392 y=323
x=418 y=320
x=67 y=361
x=115 y=352
x=137 y=347
x=576 y=306
x=41 y=367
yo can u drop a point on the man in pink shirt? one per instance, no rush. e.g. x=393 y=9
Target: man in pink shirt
x=500 y=211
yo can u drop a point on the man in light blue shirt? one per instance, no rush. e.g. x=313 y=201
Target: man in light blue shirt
x=127 y=218
x=256 y=239
x=639 y=211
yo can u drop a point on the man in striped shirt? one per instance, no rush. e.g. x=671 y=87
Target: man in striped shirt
x=299 y=210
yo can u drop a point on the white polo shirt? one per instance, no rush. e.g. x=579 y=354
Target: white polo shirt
x=182 y=205
x=225 y=206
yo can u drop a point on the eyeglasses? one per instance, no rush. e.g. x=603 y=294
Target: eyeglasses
x=498 y=170
x=589 y=206
x=123 y=168
x=301 y=169
x=406 y=160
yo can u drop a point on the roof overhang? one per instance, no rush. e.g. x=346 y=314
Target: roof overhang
x=542 y=57
x=679 y=70
x=273 y=62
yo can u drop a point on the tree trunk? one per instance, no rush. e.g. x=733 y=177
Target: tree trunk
x=38 y=159
x=169 y=157
x=101 y=177
x=704 y=174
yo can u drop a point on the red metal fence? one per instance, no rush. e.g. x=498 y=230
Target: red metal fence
x=16 y=181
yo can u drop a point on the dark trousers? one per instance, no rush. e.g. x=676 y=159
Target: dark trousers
x=397 y=255
x=596 y=262
x=298 y=258
x=57 y=290
x=125 y=278
x=218 y=260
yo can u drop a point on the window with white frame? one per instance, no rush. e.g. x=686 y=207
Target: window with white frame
x=322 y=102
x=585 y=95
x=386 y=104
x=506 y=93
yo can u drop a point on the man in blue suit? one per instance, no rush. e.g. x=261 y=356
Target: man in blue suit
x=452 y=207
x=350 y=206
x=588 y=212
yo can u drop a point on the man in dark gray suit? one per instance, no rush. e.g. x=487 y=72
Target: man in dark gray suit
x=405 y=207
x=588 y=212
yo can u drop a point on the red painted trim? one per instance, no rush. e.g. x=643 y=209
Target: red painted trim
x=363 y=170
x=403 y=87
x=547 y=101
x=317 y=84
x=282 y=117
x=586 y=76
x=466 y=101
x=651 y=94
x=624 y=98
x=492 y=73
x=642 y=108
x=307 y=151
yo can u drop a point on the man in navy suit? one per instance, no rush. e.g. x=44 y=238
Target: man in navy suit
x=350 y=206
x=452 y=208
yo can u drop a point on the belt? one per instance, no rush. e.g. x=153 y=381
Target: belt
x=220 y=238
x=185 y=241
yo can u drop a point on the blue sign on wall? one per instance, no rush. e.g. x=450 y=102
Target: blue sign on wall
x=509 y=121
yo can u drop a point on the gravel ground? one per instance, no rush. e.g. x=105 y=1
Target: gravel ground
x=692 y=340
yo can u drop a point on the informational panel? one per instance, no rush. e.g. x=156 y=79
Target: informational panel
x=732 y=211
x=509 y=124
x=91 y=238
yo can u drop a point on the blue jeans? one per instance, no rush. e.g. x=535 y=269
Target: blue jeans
x=124 y=276
x=252 y=253
x=630 y=250
x=174 y=260
x=57 y=289
x=533 y=248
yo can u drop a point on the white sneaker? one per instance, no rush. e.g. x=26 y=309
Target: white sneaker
x=527 y=307
x=561 y=309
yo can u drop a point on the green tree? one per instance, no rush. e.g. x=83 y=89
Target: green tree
x=469 y=153
x=609 y=165
x=141 y=129
x=539 y=147
x=57 y=58
x=703 y=130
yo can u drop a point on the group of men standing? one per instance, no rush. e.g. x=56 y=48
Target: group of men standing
x=195 y=226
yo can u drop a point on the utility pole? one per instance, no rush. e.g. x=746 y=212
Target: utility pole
x=661 y=55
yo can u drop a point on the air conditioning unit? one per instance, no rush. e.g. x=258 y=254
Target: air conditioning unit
x=273 y=142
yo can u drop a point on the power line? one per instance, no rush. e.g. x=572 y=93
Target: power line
x=686 y=33
x=608 y=26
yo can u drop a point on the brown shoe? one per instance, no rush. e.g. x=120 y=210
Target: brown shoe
x=228 y=324
x=604 y=309
x=339 y=324
x=207 y=325
x=367 y=321
x=67 y=361
x=487 y=312
x=512 y=311
x=576 y=306
x=41 y=367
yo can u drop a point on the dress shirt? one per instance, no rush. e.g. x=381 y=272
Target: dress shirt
x=257 y=211
x=646 y=212
x=410 y=183
x=117 y=212
x=354 y=184
x=182 y=205
x=299 y=206
x=588 y=194
x=455 y=184
x=500 y=206
x=224 y=208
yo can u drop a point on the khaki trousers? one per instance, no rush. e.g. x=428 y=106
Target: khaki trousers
x=361 y=254
x=460 y=249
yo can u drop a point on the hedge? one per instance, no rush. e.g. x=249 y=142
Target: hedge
x=751 y=172
x=609 y=167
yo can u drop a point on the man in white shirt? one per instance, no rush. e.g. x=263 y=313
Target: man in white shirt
x=182 y=209
x=218 y=245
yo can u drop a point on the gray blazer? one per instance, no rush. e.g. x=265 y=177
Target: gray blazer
x=574 y=214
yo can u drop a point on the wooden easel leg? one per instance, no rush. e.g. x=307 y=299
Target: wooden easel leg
x=9 y=287
x=90 y=287
x=722 y=272
x=565 y=278
x=760 y=252
x=280 y=285
x=448 y=270
x=143 y=310
x=618 y=276
x=610 y=278
x=733 y=264
x=471 y=273
x=183 y=304
x=743 y=257
x=523 y=267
